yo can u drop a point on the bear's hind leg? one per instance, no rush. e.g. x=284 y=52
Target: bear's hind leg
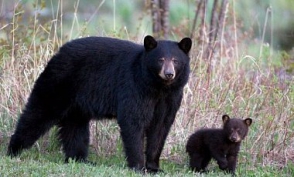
x=74 y=137
x=30 y=127
x=205 y=162
x=196 y=162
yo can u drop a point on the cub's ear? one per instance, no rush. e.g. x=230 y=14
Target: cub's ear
x=149 y=43
x=225 y=118
x=185 y=44
x=248 y=121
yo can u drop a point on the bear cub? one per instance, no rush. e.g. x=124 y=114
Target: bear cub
x=223 y=145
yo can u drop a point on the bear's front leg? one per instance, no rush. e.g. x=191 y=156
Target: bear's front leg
x=132 y=137
x=222 y=163
x=155 y=141
x=220 y=157
x=232 y=158
x=156 y=136
x=158 y=129
x=232 y=161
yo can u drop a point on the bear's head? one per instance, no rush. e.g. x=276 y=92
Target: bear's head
x=167 y=61
x=236 y=129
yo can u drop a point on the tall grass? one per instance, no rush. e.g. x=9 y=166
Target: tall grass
x=236 y=81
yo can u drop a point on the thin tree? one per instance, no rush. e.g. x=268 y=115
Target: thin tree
x=216 y=23
x=160 y=18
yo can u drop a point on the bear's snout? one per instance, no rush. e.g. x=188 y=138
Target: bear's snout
x=235 y=137
x=167 y=71
x=169 y=76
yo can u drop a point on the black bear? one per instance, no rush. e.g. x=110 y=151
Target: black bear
x=100 y=77
x=221 y=144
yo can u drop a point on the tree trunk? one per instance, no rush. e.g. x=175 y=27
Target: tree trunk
x=160 y=18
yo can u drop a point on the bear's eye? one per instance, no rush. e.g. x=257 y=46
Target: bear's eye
x=175 y=61
x=160 y=60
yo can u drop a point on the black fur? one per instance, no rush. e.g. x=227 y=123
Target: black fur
x=220 y=144
x=99 y=77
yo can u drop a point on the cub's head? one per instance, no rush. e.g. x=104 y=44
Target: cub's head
x=236 y=129
x=167 y=61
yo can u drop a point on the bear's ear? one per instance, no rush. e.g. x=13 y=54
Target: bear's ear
x=248 y=121
x=149 y=43
x=225 y=118
x=185 y=44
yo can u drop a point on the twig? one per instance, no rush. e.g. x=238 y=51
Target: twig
x=268 y=10
x=196 y=17
x=213 y=22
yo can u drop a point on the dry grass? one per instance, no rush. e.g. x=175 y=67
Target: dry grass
x=239 y=93
x=241 y=86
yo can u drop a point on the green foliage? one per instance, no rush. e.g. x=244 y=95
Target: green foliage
x=271 y=19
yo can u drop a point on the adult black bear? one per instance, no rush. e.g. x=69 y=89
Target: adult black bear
x=221 y=144
x=99 y=77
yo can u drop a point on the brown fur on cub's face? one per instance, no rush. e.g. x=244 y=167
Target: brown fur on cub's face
x=235 y=129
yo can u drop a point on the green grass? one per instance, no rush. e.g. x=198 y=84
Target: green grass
x=33 y=163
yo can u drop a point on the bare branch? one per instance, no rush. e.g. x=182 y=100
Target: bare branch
x=221 y=19
x=156 y=27
x=213 y=22
x=196 y=17
x=160 y=18
x=164 y=6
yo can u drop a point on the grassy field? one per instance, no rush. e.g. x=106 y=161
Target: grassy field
x=244 y=78
x=44 y=162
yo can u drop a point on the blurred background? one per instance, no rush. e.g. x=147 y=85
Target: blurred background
x=270 y=19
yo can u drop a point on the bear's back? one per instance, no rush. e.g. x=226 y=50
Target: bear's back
x=99 y=46
x=202 y=139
